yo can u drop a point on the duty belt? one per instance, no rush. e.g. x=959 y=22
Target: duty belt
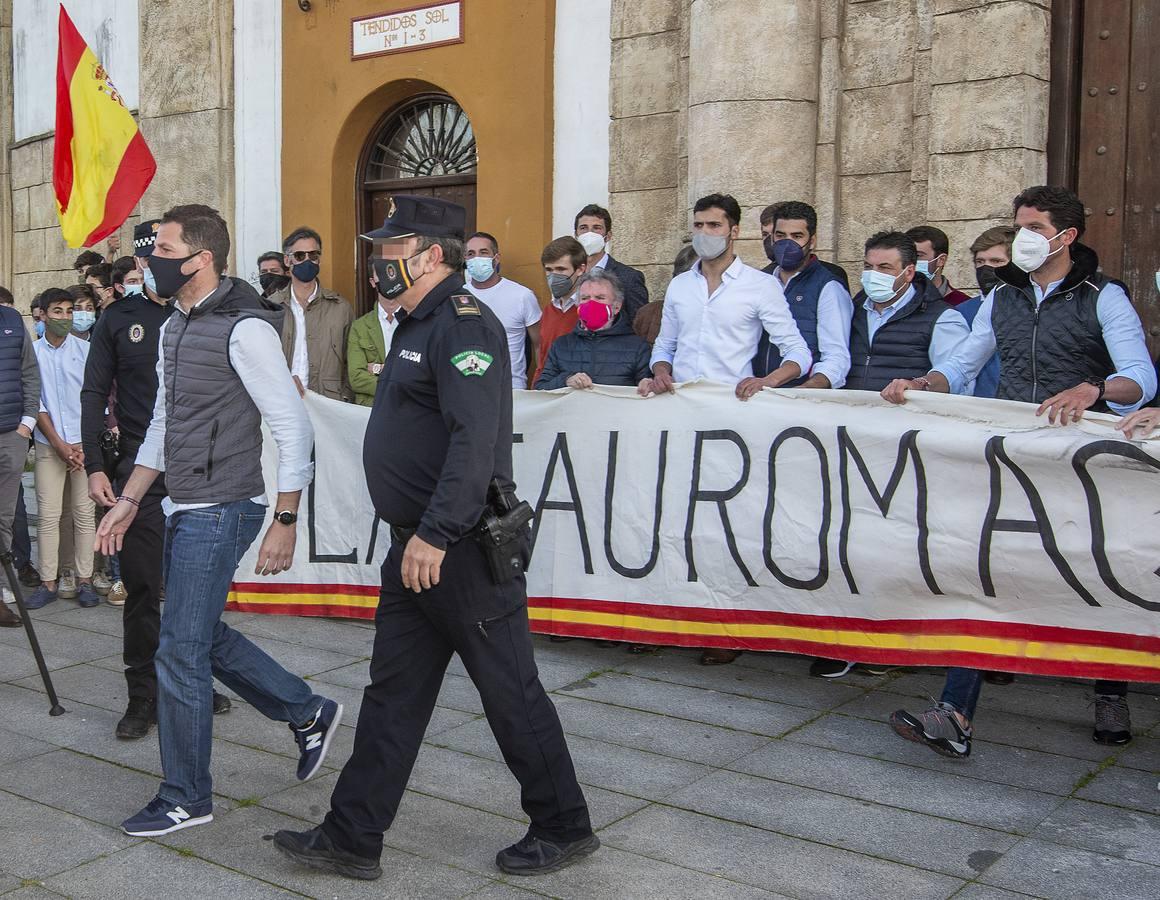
x=402 y=535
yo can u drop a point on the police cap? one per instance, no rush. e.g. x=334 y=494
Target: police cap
x=144 y=237
x=409 y=215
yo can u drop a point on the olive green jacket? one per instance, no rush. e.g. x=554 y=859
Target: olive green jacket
x=328 y=321
x=364 y=346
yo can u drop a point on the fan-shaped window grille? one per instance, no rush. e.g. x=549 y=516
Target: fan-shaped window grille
x=429 y=138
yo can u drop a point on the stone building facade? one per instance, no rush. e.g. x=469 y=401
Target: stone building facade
x=881 y=113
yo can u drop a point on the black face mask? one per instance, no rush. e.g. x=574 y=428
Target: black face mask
x=168 y=275
x=272 y=282
x=987 y=278
x=394 y=276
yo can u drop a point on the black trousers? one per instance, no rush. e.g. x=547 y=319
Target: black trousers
x=415 y=635
x=140 y=558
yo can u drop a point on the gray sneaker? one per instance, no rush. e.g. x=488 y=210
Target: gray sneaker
x=937 y=727
x=1113 y=720
x=101 y=583
x=67 y=588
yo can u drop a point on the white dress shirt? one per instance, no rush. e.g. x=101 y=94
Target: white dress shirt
x=62 y=374
x=300 y=364
x=388 y=326
x=1122 y=332
x=714 y=336
x=256 y=355
x=835 y=312
x=949 y=334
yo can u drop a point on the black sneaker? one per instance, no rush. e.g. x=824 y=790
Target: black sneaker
x=28 y=576
x=314 y=739
x=315 y=849
x=937 y=727
x=221 y=704
x=830 y=668
x=140 y=716
x=1113 y=720
x=536 y=856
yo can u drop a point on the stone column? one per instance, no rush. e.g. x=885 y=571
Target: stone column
x=187 y=103
x=5 y=140
x=753 y=105
x=988 y=137
x=644 y=166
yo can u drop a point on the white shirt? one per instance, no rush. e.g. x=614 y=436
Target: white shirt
x=388 y=326
x=256 y=355
x=715 y=336
x=949 y=333
x=517 y=308
x=1122 y=332
x=62 y=373
x=835 y=312
x=300 y=364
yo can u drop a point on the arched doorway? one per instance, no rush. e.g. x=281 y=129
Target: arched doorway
x=424 y=146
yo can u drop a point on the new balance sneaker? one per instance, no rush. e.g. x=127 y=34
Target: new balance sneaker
x=314 y=848
x=830 y=668
x=1113 y=720
x=86 y=596
x=40 y=598
x=537 y=856
x=314 y=739
x=66 y=588
x=162 y=817
x=117 y=594
x=938 y=727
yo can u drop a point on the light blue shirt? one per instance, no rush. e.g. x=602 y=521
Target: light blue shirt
x=62 y=373
x=1119 y=324
x=835 y=310
x=950 y=331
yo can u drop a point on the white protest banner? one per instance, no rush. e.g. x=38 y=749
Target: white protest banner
x=950 y=531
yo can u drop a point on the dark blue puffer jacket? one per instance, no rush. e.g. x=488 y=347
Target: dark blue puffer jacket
x=613 y=356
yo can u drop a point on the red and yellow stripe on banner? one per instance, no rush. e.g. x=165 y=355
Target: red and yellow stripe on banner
x=976 y=644
x=101 y=165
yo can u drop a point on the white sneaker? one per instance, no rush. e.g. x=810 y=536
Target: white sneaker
x=66 y=588
x=5 y=594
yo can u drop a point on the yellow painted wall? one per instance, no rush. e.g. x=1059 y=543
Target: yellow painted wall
x=501 y=76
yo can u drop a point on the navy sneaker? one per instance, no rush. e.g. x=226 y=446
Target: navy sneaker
x=40 y=598
x=161 y=817
x=314 y=739
x=87 y=597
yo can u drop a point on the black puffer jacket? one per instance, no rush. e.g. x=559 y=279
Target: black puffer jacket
x=613 y=356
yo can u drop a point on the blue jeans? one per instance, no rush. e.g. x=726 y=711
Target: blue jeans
x=202 y=551
x=963 y=686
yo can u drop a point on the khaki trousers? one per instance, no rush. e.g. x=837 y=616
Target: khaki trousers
x=53 y=480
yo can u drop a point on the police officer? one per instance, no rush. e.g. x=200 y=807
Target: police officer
x=123 y=349
x=448 y=378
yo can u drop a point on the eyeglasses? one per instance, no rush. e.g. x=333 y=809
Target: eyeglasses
x=303 y=255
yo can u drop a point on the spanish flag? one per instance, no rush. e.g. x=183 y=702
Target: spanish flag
x=101 y=165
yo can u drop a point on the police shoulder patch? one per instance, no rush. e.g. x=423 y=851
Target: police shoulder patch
x=472 y=362
x=465 y=305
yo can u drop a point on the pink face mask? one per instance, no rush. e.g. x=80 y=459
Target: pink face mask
x=594 y=314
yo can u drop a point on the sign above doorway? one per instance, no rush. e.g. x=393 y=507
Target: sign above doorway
x=416 y=28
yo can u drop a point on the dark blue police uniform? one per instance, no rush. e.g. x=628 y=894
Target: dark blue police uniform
x=440 y=430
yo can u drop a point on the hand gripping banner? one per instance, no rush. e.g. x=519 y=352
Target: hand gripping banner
x=949 y=531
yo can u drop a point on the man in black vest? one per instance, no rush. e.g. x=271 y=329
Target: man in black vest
x=19 y=406
x=1069 y=340
x=221 y=373
x=447 y=478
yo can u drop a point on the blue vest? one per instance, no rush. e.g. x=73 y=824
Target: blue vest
x=12 y=338
x=987 y=384
x=802 y=294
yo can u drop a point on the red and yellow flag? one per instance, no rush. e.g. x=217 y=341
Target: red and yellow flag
x=101 y=165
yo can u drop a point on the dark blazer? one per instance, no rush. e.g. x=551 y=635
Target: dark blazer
x=632 y=281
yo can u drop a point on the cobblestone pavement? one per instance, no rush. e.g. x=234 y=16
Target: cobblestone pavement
x=749 y=780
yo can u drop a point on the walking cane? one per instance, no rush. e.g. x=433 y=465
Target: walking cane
x=6 y=560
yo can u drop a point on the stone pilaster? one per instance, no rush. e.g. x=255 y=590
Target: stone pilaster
x=6 y=198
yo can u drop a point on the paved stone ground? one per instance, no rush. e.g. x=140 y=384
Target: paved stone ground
x=750 y=780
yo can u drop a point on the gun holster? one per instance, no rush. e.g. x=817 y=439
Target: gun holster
x=110 y=452
x=502 y=532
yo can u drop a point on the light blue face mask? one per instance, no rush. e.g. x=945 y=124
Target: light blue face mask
x=83 y=320
x=150 y=281
x=131 y=289
x=923 y=267
x=39 y=328
x=480 y=268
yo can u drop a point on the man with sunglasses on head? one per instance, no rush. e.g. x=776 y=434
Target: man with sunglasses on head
x=314 y=336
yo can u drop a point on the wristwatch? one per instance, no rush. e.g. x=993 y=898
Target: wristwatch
x=286 y=517
x=1099 y=383
x=376 y=368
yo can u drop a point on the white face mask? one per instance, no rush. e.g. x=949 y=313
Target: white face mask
x=592 y=242
x=879 y=286
x=1030 y=250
